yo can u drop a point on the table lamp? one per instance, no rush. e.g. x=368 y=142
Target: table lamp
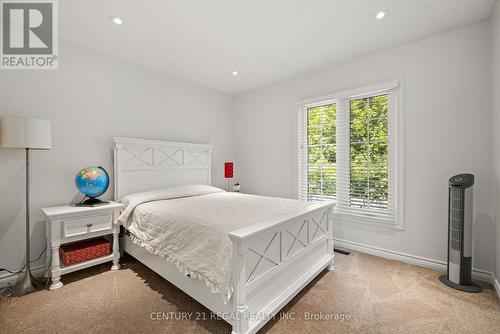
x=28 y=134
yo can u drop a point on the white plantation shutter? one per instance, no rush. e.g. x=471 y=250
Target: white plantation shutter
x=367 y=190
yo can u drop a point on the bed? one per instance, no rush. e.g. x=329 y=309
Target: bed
x=267 y=249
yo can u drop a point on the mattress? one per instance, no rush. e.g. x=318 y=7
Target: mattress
x=189 y=226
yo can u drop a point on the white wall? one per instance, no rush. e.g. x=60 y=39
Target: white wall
x=90 y=99
x=446 y=82
x=93 y=97
x=496 y=125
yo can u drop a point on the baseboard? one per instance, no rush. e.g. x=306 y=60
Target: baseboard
x=496 y=284
x=9 y=279
x=477 y=274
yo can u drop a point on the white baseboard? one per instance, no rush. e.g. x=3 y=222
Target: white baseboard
x=496 y=284
x=9 y=279
x=478 y=274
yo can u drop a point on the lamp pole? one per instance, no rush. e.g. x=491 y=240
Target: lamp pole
x=26 y=286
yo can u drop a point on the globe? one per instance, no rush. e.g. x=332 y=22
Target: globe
x=92 y=181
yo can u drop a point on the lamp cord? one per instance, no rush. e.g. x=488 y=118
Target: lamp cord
x=8 y=291
x=24 y=266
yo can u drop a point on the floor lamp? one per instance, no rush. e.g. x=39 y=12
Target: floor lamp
x=28 y=134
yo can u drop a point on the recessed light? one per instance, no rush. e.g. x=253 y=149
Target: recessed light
x=116 y=20
x=235 y=73
x=381 y=14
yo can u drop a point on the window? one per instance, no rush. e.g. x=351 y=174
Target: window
x=321 y=152
x=368 y=152
x=348 y=151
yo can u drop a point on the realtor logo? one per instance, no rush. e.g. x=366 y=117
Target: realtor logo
x=29 y=34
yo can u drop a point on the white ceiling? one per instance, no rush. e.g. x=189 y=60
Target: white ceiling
x=203 y=41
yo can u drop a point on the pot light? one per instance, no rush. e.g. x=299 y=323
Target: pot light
x=235 y=73
x=381 y=14
x=116 y=20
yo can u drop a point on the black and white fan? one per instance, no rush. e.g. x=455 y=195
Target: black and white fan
x=458 y=275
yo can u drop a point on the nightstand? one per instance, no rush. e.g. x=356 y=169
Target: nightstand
x=67 y=224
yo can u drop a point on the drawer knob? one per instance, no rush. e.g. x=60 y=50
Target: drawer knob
x=89 y=225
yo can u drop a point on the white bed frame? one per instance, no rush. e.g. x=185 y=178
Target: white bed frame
x=272 y=260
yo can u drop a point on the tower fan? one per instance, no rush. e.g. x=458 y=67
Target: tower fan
x=458 y=275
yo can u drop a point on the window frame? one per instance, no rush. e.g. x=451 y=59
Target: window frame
x=395 y=218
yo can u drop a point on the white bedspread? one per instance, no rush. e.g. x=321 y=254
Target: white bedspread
x=189 y=227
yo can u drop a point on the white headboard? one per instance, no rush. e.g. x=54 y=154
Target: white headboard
x=142 y=165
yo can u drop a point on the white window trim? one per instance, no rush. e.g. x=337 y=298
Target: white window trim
x=339 y=98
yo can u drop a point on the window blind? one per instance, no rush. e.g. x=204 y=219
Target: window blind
x=367 y=143
x=302 y=182
x=317 y=152
x=348 y=151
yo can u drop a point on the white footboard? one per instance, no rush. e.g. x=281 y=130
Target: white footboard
x=274 y=260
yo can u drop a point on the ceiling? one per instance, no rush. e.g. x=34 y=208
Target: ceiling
x=266 y=41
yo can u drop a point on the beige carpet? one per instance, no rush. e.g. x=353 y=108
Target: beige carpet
x=372 y=294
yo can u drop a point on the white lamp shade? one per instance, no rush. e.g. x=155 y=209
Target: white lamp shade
x=20 y=132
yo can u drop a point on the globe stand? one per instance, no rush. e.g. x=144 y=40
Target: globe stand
x=91 y=202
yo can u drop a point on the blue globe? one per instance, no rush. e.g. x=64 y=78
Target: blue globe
x=92 y=181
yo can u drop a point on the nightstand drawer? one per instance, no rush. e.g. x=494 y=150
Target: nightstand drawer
x=76 y=227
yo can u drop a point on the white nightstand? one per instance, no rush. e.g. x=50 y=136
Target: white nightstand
x=69 y=223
